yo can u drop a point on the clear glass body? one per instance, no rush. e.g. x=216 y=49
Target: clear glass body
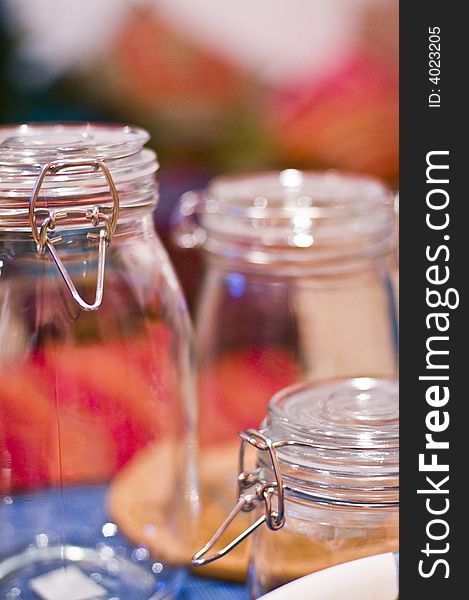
x=97 y=414
x=341 y=494
x=296 y=286
x=261 y=328
x=315 y=538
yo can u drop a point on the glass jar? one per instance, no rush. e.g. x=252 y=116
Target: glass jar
x=326 y=486
x=97 y=411
x=296 y=286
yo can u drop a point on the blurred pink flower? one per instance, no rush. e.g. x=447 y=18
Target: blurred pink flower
x=159 y=70
x=348 y=121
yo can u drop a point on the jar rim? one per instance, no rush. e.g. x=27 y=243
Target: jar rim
x=302 y=210
x=293 y=189
x=31 y=144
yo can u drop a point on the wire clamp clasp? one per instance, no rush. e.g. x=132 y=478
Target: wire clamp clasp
x=251 y=492
x=41 y=232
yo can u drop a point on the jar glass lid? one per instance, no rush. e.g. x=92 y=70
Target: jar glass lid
x=32 y=144
x=299 y=209
x=70 y=153
x=351 y=427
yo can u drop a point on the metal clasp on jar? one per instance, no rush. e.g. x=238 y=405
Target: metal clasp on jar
x=248 y=500
x=94 y=215
x=263 y=492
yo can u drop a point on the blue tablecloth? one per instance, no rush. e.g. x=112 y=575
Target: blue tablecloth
x=206 y=589
x=78 y=514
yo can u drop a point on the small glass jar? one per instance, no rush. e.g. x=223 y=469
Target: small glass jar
x=326 y=483
x=297 y=286
x=97 y=407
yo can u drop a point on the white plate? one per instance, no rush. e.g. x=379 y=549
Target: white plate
x=372 y=578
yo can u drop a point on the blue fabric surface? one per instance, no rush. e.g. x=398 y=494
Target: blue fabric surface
x=76 y=516
x=206 y=589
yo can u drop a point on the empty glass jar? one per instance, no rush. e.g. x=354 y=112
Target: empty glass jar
x=326 y=486
x=296 y=286
x=97 y=412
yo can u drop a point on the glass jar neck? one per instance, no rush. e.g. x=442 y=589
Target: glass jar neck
x=341 y=489
x=131 y=220
x=295 y=262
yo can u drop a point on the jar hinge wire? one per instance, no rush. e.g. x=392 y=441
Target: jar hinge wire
x=93 y=215
x=264 y=491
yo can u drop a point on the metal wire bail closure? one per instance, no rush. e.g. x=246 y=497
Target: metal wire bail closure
x=247 y=501
x=94 y=215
